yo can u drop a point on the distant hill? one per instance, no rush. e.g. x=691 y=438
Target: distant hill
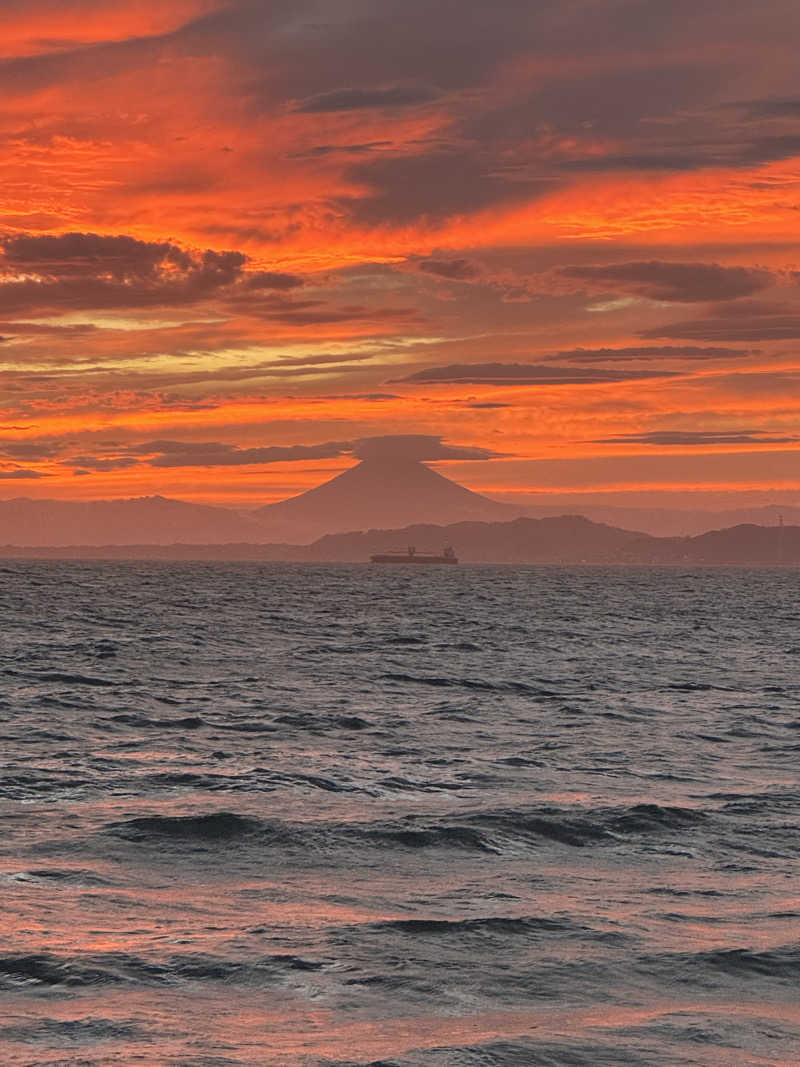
x=375 y=493
x=746 y=543
x=378 y=494
x=672 y=522
x=401 y=497
x=572 y=539
x=151 y=520
x=568 y=539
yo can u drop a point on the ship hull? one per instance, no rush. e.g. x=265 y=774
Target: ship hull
x=447 y=561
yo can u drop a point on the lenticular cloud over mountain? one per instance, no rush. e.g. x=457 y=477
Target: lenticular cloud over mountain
x=391 y=487
x=415 y=447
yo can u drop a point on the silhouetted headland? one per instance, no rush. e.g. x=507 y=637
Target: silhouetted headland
x=568 y=540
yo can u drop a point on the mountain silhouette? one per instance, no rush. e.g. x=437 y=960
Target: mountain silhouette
x=379 y=494
x=569 y=539
x=665 y=521
x=565 y=540
x=385 y=503
x=154 y=520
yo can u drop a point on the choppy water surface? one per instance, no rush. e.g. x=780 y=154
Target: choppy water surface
x=354 y=815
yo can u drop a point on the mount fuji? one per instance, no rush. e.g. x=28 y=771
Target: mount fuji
x=379 y=493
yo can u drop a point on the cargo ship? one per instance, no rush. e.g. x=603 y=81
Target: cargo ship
x=412 y=556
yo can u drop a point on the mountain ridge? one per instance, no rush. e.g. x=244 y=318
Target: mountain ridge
x=377 y=493
x=566 y=540
x=373 y=493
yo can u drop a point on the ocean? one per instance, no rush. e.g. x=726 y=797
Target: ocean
x=418 y=817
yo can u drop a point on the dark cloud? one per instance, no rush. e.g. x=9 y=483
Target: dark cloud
x=21 y=474
x=770 y=149
x=737 y=150
x=636 y=161
x=581 y=53
x=43 y=329
x=341 y=149
x=672 y=282
x=258 y=280
x=698 y=437
x=525 y=374
x=376 y=397
x=750 y=321
x=213 y=454
x=318 y=312
x=87 y=272
x=457 y=270
x=30 y=451
x=510 y=147
x=588 y=74
x=770 y=108
x=70 y=254
x=359 y=99
x=623 y=73
x=646 y=352
x=400 y=43
x=82 y=271
x=437 y=181
x=90 y=463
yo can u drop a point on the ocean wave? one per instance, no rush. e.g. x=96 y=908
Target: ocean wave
x=72 y=1031
x=781 y=963
x=142 y=722
x=407 y=785
x=516 y=1053
x=591 y=827
x=253 y=726
x=646 y=818
x=452 y=837
x=61 y=677
x=441 y=682
x=69 y=877
x=488 y=832
x=229 y=827
x=212 y=826
x=316 y=781
x=106 y=969
x=316 y=723
x=46 y=970
x=502 y=925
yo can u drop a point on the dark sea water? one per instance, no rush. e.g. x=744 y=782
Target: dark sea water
x=398 y=816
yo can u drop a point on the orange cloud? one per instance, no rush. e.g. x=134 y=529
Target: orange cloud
x=40 y=27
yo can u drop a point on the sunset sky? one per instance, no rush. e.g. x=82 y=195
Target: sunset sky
x=238 y=237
